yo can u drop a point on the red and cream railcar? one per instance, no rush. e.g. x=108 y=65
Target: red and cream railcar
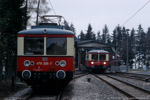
x=45 y=54
x=97 y=60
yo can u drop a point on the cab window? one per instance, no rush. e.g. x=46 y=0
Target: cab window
x=95 y=57
x=102 y=57
x=33 y=46
x=56 y=46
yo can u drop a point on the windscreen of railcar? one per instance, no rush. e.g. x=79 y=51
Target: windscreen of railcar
x=102 y=57
x=33 y=46
x=56 y=46
x=95 y=57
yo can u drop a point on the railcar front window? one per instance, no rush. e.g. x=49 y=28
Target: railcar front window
x=56 y=46
x=33 y=46
x=102 y=57
x=95 y=57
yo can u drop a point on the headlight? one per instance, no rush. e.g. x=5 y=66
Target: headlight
x=92 y=62
x=26 y=63
x=62 y=63
x=104 y=63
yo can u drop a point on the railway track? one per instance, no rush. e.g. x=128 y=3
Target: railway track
x=58 y=96
x=78 y=75
x=80 y=72
x=34 y=96
x=129 y=90
x=140 y=77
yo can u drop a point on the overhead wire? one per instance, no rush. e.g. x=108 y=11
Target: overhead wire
x=135 y=13
x=52 y=7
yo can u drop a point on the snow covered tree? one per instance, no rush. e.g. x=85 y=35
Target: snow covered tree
x=132 y=47
x=141 y=49
x=37 y=8
x=148 y=48
x=98 y=36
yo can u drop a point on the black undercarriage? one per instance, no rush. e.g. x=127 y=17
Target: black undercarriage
x=97 y=69
x=46 y=79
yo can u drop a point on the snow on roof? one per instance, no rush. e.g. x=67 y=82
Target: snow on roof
x=48 y=31
x=98 y=51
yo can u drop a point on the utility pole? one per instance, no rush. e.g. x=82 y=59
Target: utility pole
x=26 y=10
x=127 y=30
x=37 y=15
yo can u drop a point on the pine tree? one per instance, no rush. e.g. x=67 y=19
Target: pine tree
x=109 y=39
x=132 y=46
x=148 y=48
x=141 y=45
x=120 y=40
x=72 y=28
x=98 y=36
x=105 y=34
x=93 y=36
x=66 y=25
x=12 y=20
x=119 y=35
x=81 y=37
x=89 y=35
x=114 y=38
x=148 y=41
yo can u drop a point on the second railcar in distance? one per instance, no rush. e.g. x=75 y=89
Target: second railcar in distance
x=97 y=60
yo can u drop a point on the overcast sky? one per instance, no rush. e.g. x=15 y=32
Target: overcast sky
x=101 y=12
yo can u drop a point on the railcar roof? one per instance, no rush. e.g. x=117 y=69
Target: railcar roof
x=98 y=51
x=46 y=31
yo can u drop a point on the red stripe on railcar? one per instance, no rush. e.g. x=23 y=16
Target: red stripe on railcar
x=43 y=35
x=97 y=63
x=45 y=64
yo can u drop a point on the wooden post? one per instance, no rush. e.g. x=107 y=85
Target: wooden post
x=12 y=83
x=79 y=58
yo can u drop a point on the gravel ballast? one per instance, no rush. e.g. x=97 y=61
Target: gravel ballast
x=95 y=89
x=142 y=84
